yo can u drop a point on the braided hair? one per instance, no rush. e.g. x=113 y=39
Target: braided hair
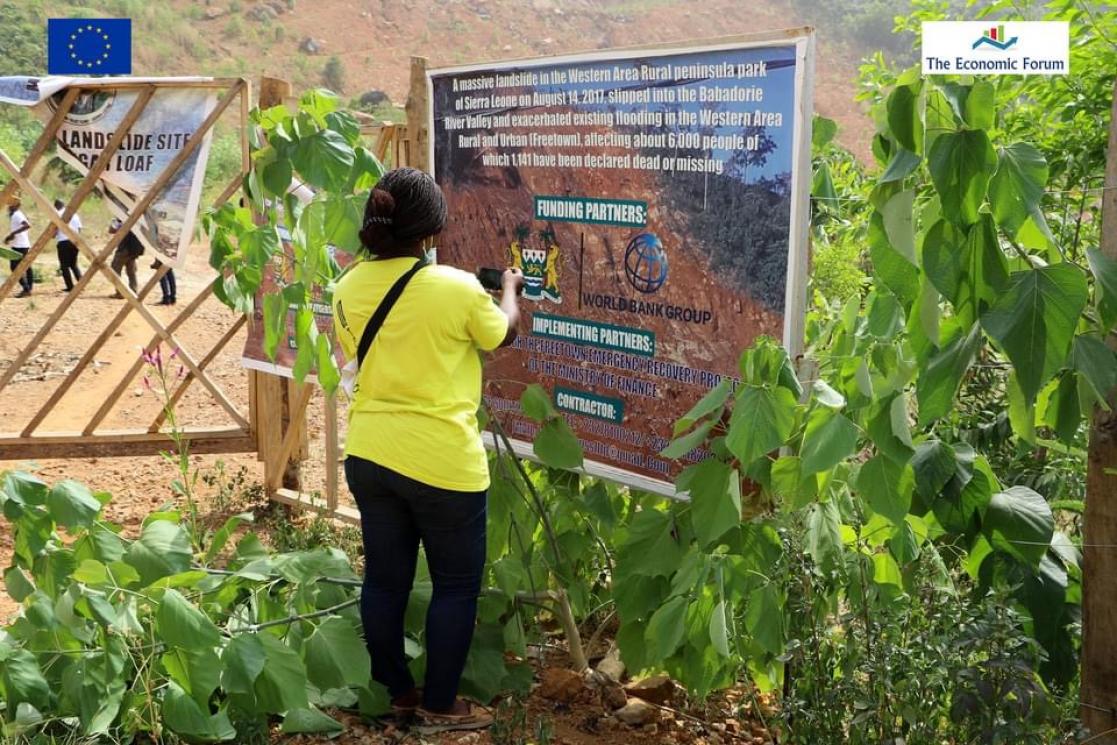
x=405 y=208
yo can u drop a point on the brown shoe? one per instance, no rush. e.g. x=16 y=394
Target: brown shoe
x=474 y=716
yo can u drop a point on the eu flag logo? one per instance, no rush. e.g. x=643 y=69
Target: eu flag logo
x=89 y=46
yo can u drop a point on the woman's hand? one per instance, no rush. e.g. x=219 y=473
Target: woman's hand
x=511 y=283
x=512 y=280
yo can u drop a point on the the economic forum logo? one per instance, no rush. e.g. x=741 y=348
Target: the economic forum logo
x=984 y=48
x=996 y=38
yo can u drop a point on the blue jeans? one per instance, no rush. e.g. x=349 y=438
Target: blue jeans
x=396 y=514
x=168 y=286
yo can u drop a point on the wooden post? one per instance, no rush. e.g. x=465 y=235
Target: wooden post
x=277 y=417
x=418 y=113
x=1099 y=557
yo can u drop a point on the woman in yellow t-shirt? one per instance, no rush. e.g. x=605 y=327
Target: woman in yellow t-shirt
x=415 y=461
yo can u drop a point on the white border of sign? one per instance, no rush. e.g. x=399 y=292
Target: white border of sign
x=795 y=304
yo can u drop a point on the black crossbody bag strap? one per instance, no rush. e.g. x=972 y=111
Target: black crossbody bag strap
x=377 y=320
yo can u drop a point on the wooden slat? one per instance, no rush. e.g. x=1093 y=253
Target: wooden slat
x=90 y=352
x=97 y=261
x=305 y=501
x=122 y=385
x=331 y=451
x=291 y=438
x=180 y=390
x=46 y=139
x=122 y=442
x=83 y=190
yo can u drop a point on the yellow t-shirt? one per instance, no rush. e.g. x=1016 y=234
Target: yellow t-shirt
x=415 y=407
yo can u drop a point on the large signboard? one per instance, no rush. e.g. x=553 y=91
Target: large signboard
x=168 y=121
x=657 y=203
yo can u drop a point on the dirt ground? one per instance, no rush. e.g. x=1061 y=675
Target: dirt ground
x=141 y=484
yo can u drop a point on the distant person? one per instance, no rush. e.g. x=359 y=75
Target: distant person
x=127 y=252
x=67 y=251
x=20 y=241
x=167 y=284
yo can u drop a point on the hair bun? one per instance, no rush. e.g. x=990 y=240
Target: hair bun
x=383 y=203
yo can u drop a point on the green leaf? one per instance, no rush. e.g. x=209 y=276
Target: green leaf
x=181 y=624
x=764 y=619
x=281 y=685
x=1019 y=522
x=18 y=585
x=960 y=164
x=1033 y=321
x=788 y=481
x=163 y=549
x=823 y=131
x=276 y=176
x=275 y=323
x=979 y=109
x=830 y=437
x=72 y=505
x=328 y=375
x=324 y=160
x=1104 y=270
x=886 y=571
x=652 y=546
x=25 y=489
x=887 y=486
x=23 y=681
x=185 y=717
x=681 y=446
x=945 y=259
x=242 y=661
x=719 y=630
x=824 y=536
x=1016 y=189
x=346 y=125
x=536 y=404
x=197 y=671
x=933 y=464
x=827 y=396
x=938 y=383
x=902 y=165
x=761 y=422
x=1096 y=364
x=895 y=270
x=222 y=536
x=666 y=629
x=557 y=446
x=1064 y=410
x=367 y=171
x=715 y=494
x=713 y=401
x=336 y=656
x=307 y=721
x=904 y=120
x=898 y=226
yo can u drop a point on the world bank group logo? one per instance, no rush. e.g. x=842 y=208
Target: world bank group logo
x=645 y=263
x=996 y=37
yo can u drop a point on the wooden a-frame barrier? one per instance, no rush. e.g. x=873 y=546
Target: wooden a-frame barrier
x=239 y=435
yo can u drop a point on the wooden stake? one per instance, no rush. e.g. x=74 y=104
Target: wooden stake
x=1099 y=553
x=418 y=113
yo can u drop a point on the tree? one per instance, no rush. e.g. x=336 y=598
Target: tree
x=333 y=75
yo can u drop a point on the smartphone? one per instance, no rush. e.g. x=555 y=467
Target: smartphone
x=491 y=279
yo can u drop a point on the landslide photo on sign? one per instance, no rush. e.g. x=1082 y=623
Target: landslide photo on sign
x=648 y=199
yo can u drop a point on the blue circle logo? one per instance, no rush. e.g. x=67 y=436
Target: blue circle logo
x=645 y=263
